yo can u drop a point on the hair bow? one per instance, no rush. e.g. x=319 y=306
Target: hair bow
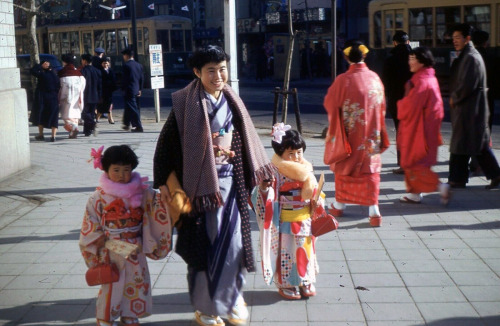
x=96 y=156
x=279 y=130
x=361 y=47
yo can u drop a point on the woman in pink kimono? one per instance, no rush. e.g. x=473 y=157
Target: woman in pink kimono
x=358 y=97
x=420 y=114
x=124 y=209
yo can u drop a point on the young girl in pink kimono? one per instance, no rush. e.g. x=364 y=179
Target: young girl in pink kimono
x=124 y=209
x=284 y=208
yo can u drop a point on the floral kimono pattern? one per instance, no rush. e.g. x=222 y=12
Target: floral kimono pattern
x=140 y=219
x=359 y=94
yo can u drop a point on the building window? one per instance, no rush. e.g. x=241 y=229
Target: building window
x=421 y=25
x=446 y=17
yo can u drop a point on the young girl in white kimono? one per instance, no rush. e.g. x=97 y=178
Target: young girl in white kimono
x=284 y=208
x=123 y=208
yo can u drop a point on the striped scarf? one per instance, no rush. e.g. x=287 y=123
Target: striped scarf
x=200 y=180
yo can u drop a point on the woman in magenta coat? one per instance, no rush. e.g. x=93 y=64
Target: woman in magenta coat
x=420 y=113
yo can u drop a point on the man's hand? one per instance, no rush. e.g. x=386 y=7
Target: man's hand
x=139 y=94
x=265 y=184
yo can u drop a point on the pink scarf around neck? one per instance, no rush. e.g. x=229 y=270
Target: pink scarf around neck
x=131 y=191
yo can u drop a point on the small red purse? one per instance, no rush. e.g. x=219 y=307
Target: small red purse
x=103 y=273
x=323 y=224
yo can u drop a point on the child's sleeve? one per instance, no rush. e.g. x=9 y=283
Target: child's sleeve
x=92 y=234
x=156 y=226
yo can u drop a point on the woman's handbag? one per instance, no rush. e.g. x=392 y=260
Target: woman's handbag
x=104 y=273
x=337 y=148
x=180 y=203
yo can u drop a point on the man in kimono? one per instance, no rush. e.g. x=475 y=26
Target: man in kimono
x=469 y=113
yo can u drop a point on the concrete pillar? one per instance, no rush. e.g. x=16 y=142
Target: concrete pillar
x=230 y=45
x=14 y=132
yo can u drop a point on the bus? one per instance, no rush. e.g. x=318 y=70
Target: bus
x=174 y=33
x=428 y=24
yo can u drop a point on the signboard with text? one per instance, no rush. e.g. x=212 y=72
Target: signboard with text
x=156 y=59
x=157 y=82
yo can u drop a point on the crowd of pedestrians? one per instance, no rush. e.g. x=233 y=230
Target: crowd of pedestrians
x=82 y=95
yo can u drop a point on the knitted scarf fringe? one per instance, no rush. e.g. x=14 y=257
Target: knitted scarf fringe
x=265 y=172
x=207 y=202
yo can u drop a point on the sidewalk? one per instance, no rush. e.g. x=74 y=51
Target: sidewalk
x=427 y=265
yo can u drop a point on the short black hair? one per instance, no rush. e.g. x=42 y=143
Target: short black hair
x=210 y=53
x=355 y=55
x=119 y=154
x=480 y=38
x=463 y=28
x=400 y=37
x=424 y=56
x=68 y=58
x=105 y=59
x=292 y=139
x=128 y=52
x=87 y=57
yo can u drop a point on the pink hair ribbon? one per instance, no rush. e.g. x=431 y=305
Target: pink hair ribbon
x=279 y=130
x=96 y=156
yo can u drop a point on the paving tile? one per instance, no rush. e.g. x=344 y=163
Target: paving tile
x=464 y=265
x=459 y=253
x=377 y=280
x=475 y=278
x=367 y=266
x=481 y=293
x=436 y=294
x=53 y=314
x=426 y=279
x=19 y=297
x=372 y=244
x=391 y=311
x=404 y=243
x=355 y=254
x=485 y=253
x=335 y=313
x=385 y=295
x=410 y=254
x=33 y=282
x=445 y=243
x=414 y=266
x=296 y=312
x=459 y=313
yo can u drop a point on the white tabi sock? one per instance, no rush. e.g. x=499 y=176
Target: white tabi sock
x=373 y=210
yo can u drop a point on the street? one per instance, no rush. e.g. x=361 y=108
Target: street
x=426 y=265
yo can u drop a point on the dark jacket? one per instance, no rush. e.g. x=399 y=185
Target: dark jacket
x=97 y=62
x=395 y=74
x=469 y=114
x=93 y=84
x=108 y=83
x=133 y=78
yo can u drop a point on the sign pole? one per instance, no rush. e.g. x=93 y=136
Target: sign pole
x=157 y=79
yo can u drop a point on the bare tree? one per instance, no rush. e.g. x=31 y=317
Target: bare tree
x=288 y=68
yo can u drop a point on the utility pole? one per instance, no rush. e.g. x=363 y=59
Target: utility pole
x=134 y=29
x=230 y=42
x=334 y=39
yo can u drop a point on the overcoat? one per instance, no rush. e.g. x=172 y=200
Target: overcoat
x=469 y=114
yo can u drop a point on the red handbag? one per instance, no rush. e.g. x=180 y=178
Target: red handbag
x=103 y=273
x=323 y=222
x=337 y=148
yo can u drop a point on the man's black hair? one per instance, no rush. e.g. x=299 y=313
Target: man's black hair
x=210 y=53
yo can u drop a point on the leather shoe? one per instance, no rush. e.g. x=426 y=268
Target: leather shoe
x=398 y=171
x=494 y=183
x=137 y=130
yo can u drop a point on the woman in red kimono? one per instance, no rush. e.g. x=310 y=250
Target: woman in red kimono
x=420 y=113
x=358 y=97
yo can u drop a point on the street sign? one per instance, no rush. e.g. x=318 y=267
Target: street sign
x=156 y=60
x=157 y=82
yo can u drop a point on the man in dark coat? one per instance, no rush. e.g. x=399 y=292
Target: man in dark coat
x=395 y=74
x=97 y=58
x=132 y=83
x=92 y=93
x=469 y=113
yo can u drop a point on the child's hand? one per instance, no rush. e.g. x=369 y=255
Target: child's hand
x=165 y=194
x=264 y=184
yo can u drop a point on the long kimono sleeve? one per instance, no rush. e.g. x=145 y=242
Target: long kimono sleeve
x=92 y=231
x=332 y=103
x=267 y=214
x=411 y=136
x=156 y=227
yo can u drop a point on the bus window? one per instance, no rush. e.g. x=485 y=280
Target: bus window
x=140 y=43
x=420 y=25
x=479 y=17
x=389 y=27
x=377 y=22
x=162 y=38
x=146 y=39
x=122 y=36
x=177 y=40
x=446 y=17
x=399 y=19
x=189 y=42
x=54 y=44
x=99 y=40
x=110 y=41
x=87 y=42
x=75 y=43
x=65 y=48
